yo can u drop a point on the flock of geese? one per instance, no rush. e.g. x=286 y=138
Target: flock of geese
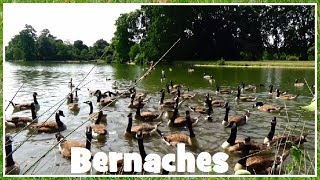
x=255 y=157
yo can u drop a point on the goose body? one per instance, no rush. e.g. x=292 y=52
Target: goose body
x=248 y=88
x=298 y=84
x=50 y=126
x=175 y=86
x=66 y=145
x=222 y=91
x=239 y=120
x=286 y=97
x=75 y=99
x=181 y=121
x=145 y=128
x=25 y=106
x=231 y=144
x=174 y=139
x=98 y=130
x=73 y=106
x=92 y=92
x=268 y=108
x=101 y=101
x=11 y=167
x=18 y=121
x=94 y=115
x=274 y=93
x=146 y=116
x=244 y=98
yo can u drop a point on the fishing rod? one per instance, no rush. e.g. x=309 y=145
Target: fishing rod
x=13 y=97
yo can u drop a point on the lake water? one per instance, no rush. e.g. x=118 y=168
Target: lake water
x=50 y=81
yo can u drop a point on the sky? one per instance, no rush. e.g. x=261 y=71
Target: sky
x=69 y=22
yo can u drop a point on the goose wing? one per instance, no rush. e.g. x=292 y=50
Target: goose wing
x=99 y=129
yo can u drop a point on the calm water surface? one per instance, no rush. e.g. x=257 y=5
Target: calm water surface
x=50 y=81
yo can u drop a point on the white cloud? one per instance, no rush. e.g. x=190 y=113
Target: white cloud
x=69 y=22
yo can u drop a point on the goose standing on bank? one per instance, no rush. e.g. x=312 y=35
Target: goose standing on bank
x=18 y=121
x=11 y=167
x=24 y=106
x=50 y=126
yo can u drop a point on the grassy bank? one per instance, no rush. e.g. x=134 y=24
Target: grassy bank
x=295 y=64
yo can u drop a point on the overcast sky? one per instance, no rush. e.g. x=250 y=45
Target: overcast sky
x=69 y=22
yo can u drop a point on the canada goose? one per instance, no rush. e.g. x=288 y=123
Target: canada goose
x=222 y=91
x=24 y=106
x=73 y=106
x=124 y=94
x=190 y=70
x=174 y=139
x=115 y=85
x=147 y=129
x=94 y=115
x=147 y=116
x=233 y=146
x=104 y=101
x=176 y=86
x=286 y=97
x=11 y=167
x=202 y=110
x=75 y=99
x=244 y=98
x=143 y=153
x=283 y=139
x=247 y=88
x=139 y=95
x=133 y=103
x=70 y=84
x=168 y=103
x=92 y=92
x=207 y=77
x=275 y=93
x=22 y=121
x=268 y=107
x=188 y=95
x=298 y=84
x=215 y=103
x=257 y=164
x=50 y=126
x=180 y=121
x=228 y=121
x=98 y=130
x=66 y=145
x=167 y=88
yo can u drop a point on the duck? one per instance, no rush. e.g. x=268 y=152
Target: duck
x=94 y=115
x=267 y=107
x=244 y=98
x=297 y=83
x=50 y=126
x=248 y=88
x=70 y=84
x=147 y=129
x=286 y=97
x=283 y=139
x=98 y=130
x=66 y=145
x=18 y=121
x=147 y=116
x=174 y=139
x=73 y=106
x=11 y=167
x=180 y=121
x=239 y=120
x=222 y=91
x=258 y=164
x=25 y=106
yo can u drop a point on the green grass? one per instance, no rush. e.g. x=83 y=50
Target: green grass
x=300 y=64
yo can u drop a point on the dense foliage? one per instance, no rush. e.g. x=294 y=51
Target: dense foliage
x=207 y=32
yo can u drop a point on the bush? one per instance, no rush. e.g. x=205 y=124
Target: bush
x=267 y=56
x=221 y=62
x=292 y=58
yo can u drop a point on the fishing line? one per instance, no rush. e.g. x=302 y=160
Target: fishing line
x=14 y=97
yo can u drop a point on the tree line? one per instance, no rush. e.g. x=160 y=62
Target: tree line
x=207 y=33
